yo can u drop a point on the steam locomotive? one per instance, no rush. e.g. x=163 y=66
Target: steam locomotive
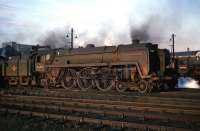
x=138 y=66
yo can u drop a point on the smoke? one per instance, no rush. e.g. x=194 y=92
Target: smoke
x=106 y=35
x=151 y=30
x=187 y=82
x=55 y=38
x=155 y=28
x=159 y=22
x=153 y=23
x=23 y=37
x=140 y=33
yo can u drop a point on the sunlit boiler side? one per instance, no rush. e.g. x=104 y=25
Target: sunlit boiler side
x=133 y=67
x=99 y=56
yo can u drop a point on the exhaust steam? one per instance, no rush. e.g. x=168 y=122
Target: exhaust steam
x=188 y=82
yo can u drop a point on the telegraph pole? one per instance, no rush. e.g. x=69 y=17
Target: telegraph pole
x=173 y=52
x=72 y=38
x=188 y=59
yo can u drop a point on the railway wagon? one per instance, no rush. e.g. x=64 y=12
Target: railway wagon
x=137 y=66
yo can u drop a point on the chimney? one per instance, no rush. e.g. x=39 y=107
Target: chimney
x=90 y=45
x=135 y=41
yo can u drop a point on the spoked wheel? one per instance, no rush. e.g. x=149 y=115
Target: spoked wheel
x=120 y=86
x=143 y=87
x=68 y=81
x=104 y=84
x=84 y=80
x=105 y=80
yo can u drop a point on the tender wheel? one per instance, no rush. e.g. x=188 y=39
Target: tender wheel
x=68 y=81
x=143 y=86
x=85 y=80
x=120 y=86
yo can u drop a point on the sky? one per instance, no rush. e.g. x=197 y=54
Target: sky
x=101 y=22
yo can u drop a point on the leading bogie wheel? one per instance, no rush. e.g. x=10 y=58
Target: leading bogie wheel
x=120 y=86
x=104 y=84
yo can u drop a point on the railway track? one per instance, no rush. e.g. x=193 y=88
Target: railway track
x=139 y=112
x=93 y=94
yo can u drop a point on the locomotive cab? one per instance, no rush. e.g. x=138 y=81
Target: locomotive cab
x=40 y=63
x=38 y=57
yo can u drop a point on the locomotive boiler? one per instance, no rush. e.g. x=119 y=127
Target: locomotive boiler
x=137 y=66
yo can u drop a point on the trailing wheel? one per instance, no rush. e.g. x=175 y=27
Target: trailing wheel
x=143 y=87
x=68 y=81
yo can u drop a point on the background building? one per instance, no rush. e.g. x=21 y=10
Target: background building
x=192 y=56
x=189 y=63
x=22 y=48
